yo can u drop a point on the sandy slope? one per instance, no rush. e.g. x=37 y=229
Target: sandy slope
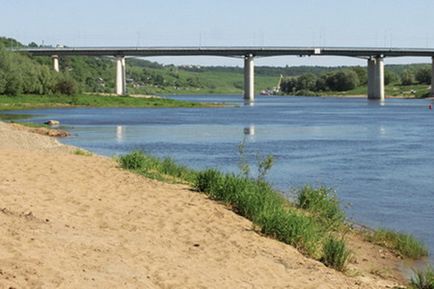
x=69 y=221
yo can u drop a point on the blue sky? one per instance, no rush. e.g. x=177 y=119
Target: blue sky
x=380 y=23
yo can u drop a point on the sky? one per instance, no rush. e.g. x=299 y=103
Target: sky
x=319 y=23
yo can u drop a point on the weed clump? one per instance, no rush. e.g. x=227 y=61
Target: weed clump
x=323 y=204
x=80 y=152
x=335 y=254
x=133 y=161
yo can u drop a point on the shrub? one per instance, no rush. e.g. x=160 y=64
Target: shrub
x=323 y=204
x=423 y=279
x=66 y=85
x=335 y=254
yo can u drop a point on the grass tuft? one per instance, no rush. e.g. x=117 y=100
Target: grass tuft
x=81 y=152
x=133 y=161
x=323 y=204
x=160 y=169
x=336 y=254
x=402 y=244
x=423 y=279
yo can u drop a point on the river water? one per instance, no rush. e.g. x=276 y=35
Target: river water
x=378 y=157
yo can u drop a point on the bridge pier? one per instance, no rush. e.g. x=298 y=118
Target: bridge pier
x=432 y=76
x=121 y=87
x=371 y=78
x=55 y=59
x=376 y=78
x=379 y=78
x=249 y=78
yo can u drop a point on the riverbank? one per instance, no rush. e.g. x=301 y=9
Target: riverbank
x=21 y=102
x=73 y=220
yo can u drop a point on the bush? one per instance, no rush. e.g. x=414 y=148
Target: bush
x=423 y=279
x=336 y=254
x=323 y=204
x=66 y=85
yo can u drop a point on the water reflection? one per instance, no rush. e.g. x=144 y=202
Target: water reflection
x=376 y=102
x=250 y=130
x=249 y=102
x=120 y=133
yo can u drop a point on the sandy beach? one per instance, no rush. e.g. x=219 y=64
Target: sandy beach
x=74 y=221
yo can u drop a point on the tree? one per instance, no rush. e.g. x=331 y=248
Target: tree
x=306 y=82
x=423 y=75
x=288 y=85
x=407 y=77
x=362 y=74
x=389 y=77
x=342 y=80
x=66 y=85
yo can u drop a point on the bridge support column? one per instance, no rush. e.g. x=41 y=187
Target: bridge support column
x=371 y=78
x=120 y=75
x=376 y=78
x=432 y=77
x=55 y=59
x=249 y=78
x=379 y=78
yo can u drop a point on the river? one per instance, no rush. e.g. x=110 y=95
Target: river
x=378 y=157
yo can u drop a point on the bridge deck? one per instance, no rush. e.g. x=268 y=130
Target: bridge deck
x=230 y=51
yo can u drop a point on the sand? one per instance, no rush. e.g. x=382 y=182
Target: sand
x=72 y=221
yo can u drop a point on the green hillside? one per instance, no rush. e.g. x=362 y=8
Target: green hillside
x=21 y=73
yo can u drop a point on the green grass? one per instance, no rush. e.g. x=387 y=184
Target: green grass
x=160 y=169
x=208 y=82
x=46 y=101
x=336 y=254
x=423 y=279
x=323 y=203
x=80 y=152
x=402 y=244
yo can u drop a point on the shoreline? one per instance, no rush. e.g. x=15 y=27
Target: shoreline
x=362 y=266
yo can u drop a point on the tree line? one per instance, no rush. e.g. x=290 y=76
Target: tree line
x=20 y=74
x=344 y=79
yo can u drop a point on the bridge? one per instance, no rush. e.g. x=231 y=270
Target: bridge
x=374 y=57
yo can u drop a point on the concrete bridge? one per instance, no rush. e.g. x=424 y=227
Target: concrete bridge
x=374 y=56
